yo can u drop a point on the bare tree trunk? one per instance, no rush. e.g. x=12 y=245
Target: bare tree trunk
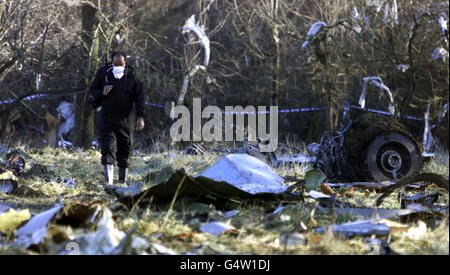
x=276 y=57
x=85 y=115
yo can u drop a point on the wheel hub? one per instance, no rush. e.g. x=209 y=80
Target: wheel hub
x=391 y=160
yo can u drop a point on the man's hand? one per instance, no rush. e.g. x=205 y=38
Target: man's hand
x=107 y=89
x=140 y=124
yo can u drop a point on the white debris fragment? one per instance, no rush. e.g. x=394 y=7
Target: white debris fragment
x=67 y=111
x=386 y=14
x=357 y=19
x=119 y=39
x=377 y=81
x=231 y=213
x=315 y=28
x=355 y=14
x=359 y=228
x=161 y=249
x=216 y=228
x=444 y=27
x=191 y=73
x=278 y=210
x=105 y=239
x=36 y=228
x=38 y=81
x=439 y=53
x=297 y=159
x=394 y=11
x=292 y=240
x=403 y=67
x=246 y=173
x=317 y=195
x=199 y=31
x=427 y=137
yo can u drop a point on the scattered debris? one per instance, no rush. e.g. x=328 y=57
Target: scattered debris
x=89 y=228
x=67 y=111
x=317 y=195
x=313 y=31
x=69 y=182
x=191 y=26
x=358 y=228
x=375 y=185
x=371 y=213
x=440 y=53
x=278 y=209
x=39 y=170
x=191 y=74
x=216 y=228
x=366 y=185
x=427 y=200
x=332 y=202
x=16 y=164
x=379 y=247
x=161 y=250
x=231 y=213
x=331 y=156
x=292 y=240
x=403 y=67
x=36 y=228
x=377 y=81
x=10 y=170
x=233 y=181
x=427 y=137
x=132 y=245
x=444 y=27
x=246 y=173
x=297 y=159
x=104 y=239
x=439 y=180
x=8 y=182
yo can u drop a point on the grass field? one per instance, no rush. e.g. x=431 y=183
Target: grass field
x=258 y=231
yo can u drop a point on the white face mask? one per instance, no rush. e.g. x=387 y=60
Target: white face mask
x=118 y=71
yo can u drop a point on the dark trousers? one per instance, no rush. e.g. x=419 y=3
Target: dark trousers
x=116 y=132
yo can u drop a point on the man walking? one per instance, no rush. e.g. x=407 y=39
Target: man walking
x=116 y=88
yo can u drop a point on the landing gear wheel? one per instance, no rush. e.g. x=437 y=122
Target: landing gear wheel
x=391 y=155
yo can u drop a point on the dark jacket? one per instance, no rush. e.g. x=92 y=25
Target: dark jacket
x=126 y=91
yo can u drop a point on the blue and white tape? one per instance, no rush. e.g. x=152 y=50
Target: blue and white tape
x=25 y=98
x=297 y=110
